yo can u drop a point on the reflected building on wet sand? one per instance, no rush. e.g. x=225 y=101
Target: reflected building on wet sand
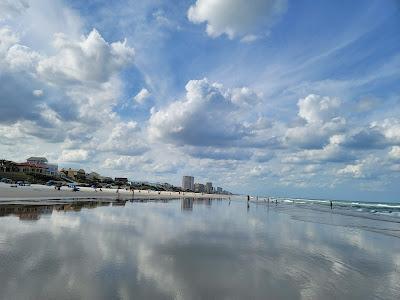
x=187 y=204
x=26 y=212
x=34 y=212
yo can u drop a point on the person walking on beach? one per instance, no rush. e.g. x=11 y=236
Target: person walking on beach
x=248 y=198
x=331 y=205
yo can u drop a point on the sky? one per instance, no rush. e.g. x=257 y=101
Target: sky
x=267 y=97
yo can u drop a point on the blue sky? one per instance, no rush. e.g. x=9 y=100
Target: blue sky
x=273 y=97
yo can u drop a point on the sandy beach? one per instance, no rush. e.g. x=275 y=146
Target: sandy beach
x=42 y=192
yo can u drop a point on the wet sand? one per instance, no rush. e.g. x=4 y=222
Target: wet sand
x=196 y=249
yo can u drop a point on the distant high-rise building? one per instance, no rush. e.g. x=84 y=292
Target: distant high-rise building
x=188 y=183
x=219 y=190
x=199 y=188
x=209 y=187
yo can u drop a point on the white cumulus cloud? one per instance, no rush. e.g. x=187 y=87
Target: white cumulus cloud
x=236 y=18
x=208 y=115
x=89 y=59
x=318 y=109
x=323 y=120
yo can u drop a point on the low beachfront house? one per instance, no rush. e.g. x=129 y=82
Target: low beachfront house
x=7 y=166
x=30 y=168
x=35 y=160
x=121 y=180
x=71 y=173
x=49 y=169
x=93 y=176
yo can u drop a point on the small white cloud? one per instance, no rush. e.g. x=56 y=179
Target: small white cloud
x=318 y=109
x=163 y=21
x=74 y=155
x=142 y=96
x=245 y=96
x=249 y=38
x=352 y=170
x=37 y=93
x=394 y=153
x=236 y=18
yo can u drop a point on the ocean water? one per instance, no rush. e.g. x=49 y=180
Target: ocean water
x=199 y=249
x=390 y=209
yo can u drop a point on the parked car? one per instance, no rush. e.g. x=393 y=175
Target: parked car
x=73 y=187
x=6 y=180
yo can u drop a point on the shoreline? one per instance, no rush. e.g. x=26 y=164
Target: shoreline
x=38 y=192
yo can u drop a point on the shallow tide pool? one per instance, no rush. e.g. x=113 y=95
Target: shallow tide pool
x=201 y=249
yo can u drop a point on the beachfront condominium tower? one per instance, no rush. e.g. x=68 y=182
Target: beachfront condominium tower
x=188 y=183
x=209 y=187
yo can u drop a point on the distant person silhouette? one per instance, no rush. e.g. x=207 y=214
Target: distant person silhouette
x=331 y=205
